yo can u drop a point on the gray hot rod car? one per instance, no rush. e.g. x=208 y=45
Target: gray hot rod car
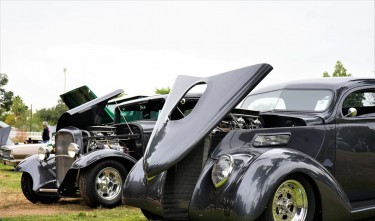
x=303 y=150
x=94 y=148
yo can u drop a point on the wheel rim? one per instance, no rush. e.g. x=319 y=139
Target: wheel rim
x=108 y=183
x=290 y=202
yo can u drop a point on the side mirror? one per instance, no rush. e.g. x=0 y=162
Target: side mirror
x=352 y=112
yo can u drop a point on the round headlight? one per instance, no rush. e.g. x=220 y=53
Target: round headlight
x=221 y=170
x=73 y=150
x=42 y=153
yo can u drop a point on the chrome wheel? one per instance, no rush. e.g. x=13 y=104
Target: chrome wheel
x=108 y=183
x=290 y=202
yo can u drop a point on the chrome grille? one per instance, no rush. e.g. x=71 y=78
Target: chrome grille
x=182 y=178
x=6 y=153
x=63 y=139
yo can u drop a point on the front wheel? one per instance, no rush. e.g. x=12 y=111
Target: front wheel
x=102 y=184
x=293 y=199
x=27 y=190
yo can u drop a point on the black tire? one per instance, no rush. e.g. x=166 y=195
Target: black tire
x=151 y=216
x=27 y=189
x=92 y=192
x=280 y=192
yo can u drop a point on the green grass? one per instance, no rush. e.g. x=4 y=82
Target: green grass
x=119 y=213
x=9 y=179
x=12 y=199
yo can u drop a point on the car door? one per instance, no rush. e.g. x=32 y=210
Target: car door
x=355 y=144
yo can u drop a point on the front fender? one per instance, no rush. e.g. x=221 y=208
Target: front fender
x=68 y=187
x=246 y=194
x=95 y=156
x=142 y=193
x=42 y=173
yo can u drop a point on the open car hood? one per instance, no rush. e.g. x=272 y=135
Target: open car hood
x=78 y=96
x=91 y=113
x=4 y=134
x=172 y=140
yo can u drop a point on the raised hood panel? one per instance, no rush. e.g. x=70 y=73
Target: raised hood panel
x=78 y=96
x=91 y=113
x=4 y=134
x=171 y=140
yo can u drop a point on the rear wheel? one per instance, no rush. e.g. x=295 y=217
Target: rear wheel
x=293 y=199
x=27 y=189
x=101 y=185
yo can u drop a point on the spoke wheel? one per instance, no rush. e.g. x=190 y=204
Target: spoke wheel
x=108 y=183
x=101 y=184
x=290 y=202
x=293 y=199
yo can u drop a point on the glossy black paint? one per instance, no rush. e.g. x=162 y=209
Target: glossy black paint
x=164 y=151
x=333 y=152
x=42 y=173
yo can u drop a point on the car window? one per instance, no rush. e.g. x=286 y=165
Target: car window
x=363 y=101
x=290 y=100
x=148 y=110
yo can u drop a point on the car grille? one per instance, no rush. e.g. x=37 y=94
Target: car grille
x=182 y=178
x=63 y=139
x=6 y=153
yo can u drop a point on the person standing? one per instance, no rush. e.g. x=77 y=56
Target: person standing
x=45 y=134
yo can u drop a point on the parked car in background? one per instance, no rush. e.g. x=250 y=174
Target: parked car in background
x=12 y=154
x=301 y=150
x=94 y=150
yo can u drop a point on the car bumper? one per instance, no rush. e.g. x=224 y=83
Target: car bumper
x=10 y=162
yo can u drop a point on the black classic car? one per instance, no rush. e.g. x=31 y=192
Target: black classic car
x=302 y=150
x=95 y=147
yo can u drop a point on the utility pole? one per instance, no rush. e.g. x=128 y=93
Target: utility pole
x=64 y=80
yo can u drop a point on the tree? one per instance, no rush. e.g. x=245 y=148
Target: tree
x=163 y=90
x=18 y=115
x=353 y=100
x=51 y=115
x=339 y=71
x=6 y=97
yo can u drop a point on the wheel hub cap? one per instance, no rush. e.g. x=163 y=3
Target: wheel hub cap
x=108 y=183
x=290 y=202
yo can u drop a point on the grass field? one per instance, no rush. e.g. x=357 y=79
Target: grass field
x=14 y=206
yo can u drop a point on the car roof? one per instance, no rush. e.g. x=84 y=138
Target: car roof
x=332 y=83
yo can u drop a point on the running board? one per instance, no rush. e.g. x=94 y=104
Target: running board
x=48 y=190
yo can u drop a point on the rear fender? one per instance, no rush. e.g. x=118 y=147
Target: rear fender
x=269 y=169
x=41 y=172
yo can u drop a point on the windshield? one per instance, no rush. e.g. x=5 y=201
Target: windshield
x=148 y=110
x=289 y=100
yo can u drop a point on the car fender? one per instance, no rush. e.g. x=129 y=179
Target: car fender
x=252 y=183
x=41 y=172
x=265 y=174
x=95 y=156
x=67 y=186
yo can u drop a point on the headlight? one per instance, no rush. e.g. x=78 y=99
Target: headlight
x=73 y=150
x=43 y=153
x=1 y=153
x=271 y=140
x=221 y=170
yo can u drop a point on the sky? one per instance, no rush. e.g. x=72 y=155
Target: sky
x=138 y=46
